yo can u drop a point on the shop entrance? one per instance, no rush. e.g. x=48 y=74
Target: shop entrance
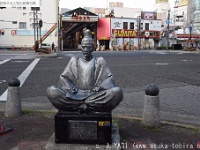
x=104 y=45
x=73 y=24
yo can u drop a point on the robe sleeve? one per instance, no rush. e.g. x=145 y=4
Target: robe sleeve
x=68 y=77
x=103 y=76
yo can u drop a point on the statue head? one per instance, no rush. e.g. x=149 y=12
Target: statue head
x=87 y=44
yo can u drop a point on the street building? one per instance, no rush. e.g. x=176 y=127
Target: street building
x=115 y=27
x=19 y=26
x=142 y=32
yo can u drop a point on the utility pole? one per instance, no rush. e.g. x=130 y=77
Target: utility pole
x=139 y=29
x=37 y=23
x=176 y=6
x=34 y=24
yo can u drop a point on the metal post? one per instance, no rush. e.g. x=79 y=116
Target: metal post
x=174 y=23
x=58 y=26
x=34 y=24
x=40 y=25
x=176 y=6
x=60 y=32
x=190 y=28
x=139 y=28
x=40 y=38
x=37 y=23
x=168 y=29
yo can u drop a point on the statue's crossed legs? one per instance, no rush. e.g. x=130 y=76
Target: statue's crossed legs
x=102 y=101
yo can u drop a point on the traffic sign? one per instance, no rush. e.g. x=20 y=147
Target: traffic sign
x=167 y=21
x=190 y=28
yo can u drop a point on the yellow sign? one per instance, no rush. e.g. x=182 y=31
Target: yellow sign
x=103 y=38
x=162 y=1
x=182 y=3
x=124 y=33
x=104 y=123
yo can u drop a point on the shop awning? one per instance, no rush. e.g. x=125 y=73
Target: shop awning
x=188 y=36
x=103 y=30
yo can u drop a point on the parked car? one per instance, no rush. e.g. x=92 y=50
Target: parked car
x=46 y=46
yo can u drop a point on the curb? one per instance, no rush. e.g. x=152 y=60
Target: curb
x=52 y=55
x=163 y=122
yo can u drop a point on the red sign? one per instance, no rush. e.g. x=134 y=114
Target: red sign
x=148 y=15
x=13 y=32
x=79 y=17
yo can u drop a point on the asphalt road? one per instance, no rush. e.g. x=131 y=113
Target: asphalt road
x=177 y=74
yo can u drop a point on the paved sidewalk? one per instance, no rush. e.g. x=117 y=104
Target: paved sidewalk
x=179 y=129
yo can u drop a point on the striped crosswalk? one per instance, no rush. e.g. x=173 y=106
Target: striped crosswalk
x=23 y=76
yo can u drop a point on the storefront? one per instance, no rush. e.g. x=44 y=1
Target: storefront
x=123 y=34
x=73 y=23
x=103 y=34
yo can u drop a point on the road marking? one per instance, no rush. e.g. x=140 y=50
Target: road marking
x=2 y=81
x=22 y=78
x=4 y=61
x=12 y=54
x=160 y=53
x=186 y=60
x=19 y=61
x=162 y=64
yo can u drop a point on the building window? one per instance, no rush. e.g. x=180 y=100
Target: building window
x=132 y=25
x=22 y=25
x=24 y=8
x=146 y=26
x=35 y=8
x=14 y=22
x=125 y=25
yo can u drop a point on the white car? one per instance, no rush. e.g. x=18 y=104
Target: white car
x=46 y=46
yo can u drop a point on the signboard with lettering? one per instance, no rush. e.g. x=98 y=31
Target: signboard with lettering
x=28 y=32
x=82 y=130
x=124 y=33
x=148 y=15
x=182 y=3
x=120 y=33
x=162 y=1
x=13 y=32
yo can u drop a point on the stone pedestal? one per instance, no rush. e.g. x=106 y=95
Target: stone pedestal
x=51 y=145
x=91 y=128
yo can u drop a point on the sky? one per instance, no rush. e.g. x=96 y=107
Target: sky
x=146 y=5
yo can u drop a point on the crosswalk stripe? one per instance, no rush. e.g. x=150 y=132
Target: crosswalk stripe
x=24 y=75
x=4 y=61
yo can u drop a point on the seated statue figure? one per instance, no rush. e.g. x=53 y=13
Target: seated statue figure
x=86 y=85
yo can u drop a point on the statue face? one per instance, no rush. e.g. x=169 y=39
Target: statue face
x=87 y=51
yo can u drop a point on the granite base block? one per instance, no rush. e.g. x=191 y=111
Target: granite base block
x=92 y=128
x=51 y=145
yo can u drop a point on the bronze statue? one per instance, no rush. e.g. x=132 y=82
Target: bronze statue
x=86 y=85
